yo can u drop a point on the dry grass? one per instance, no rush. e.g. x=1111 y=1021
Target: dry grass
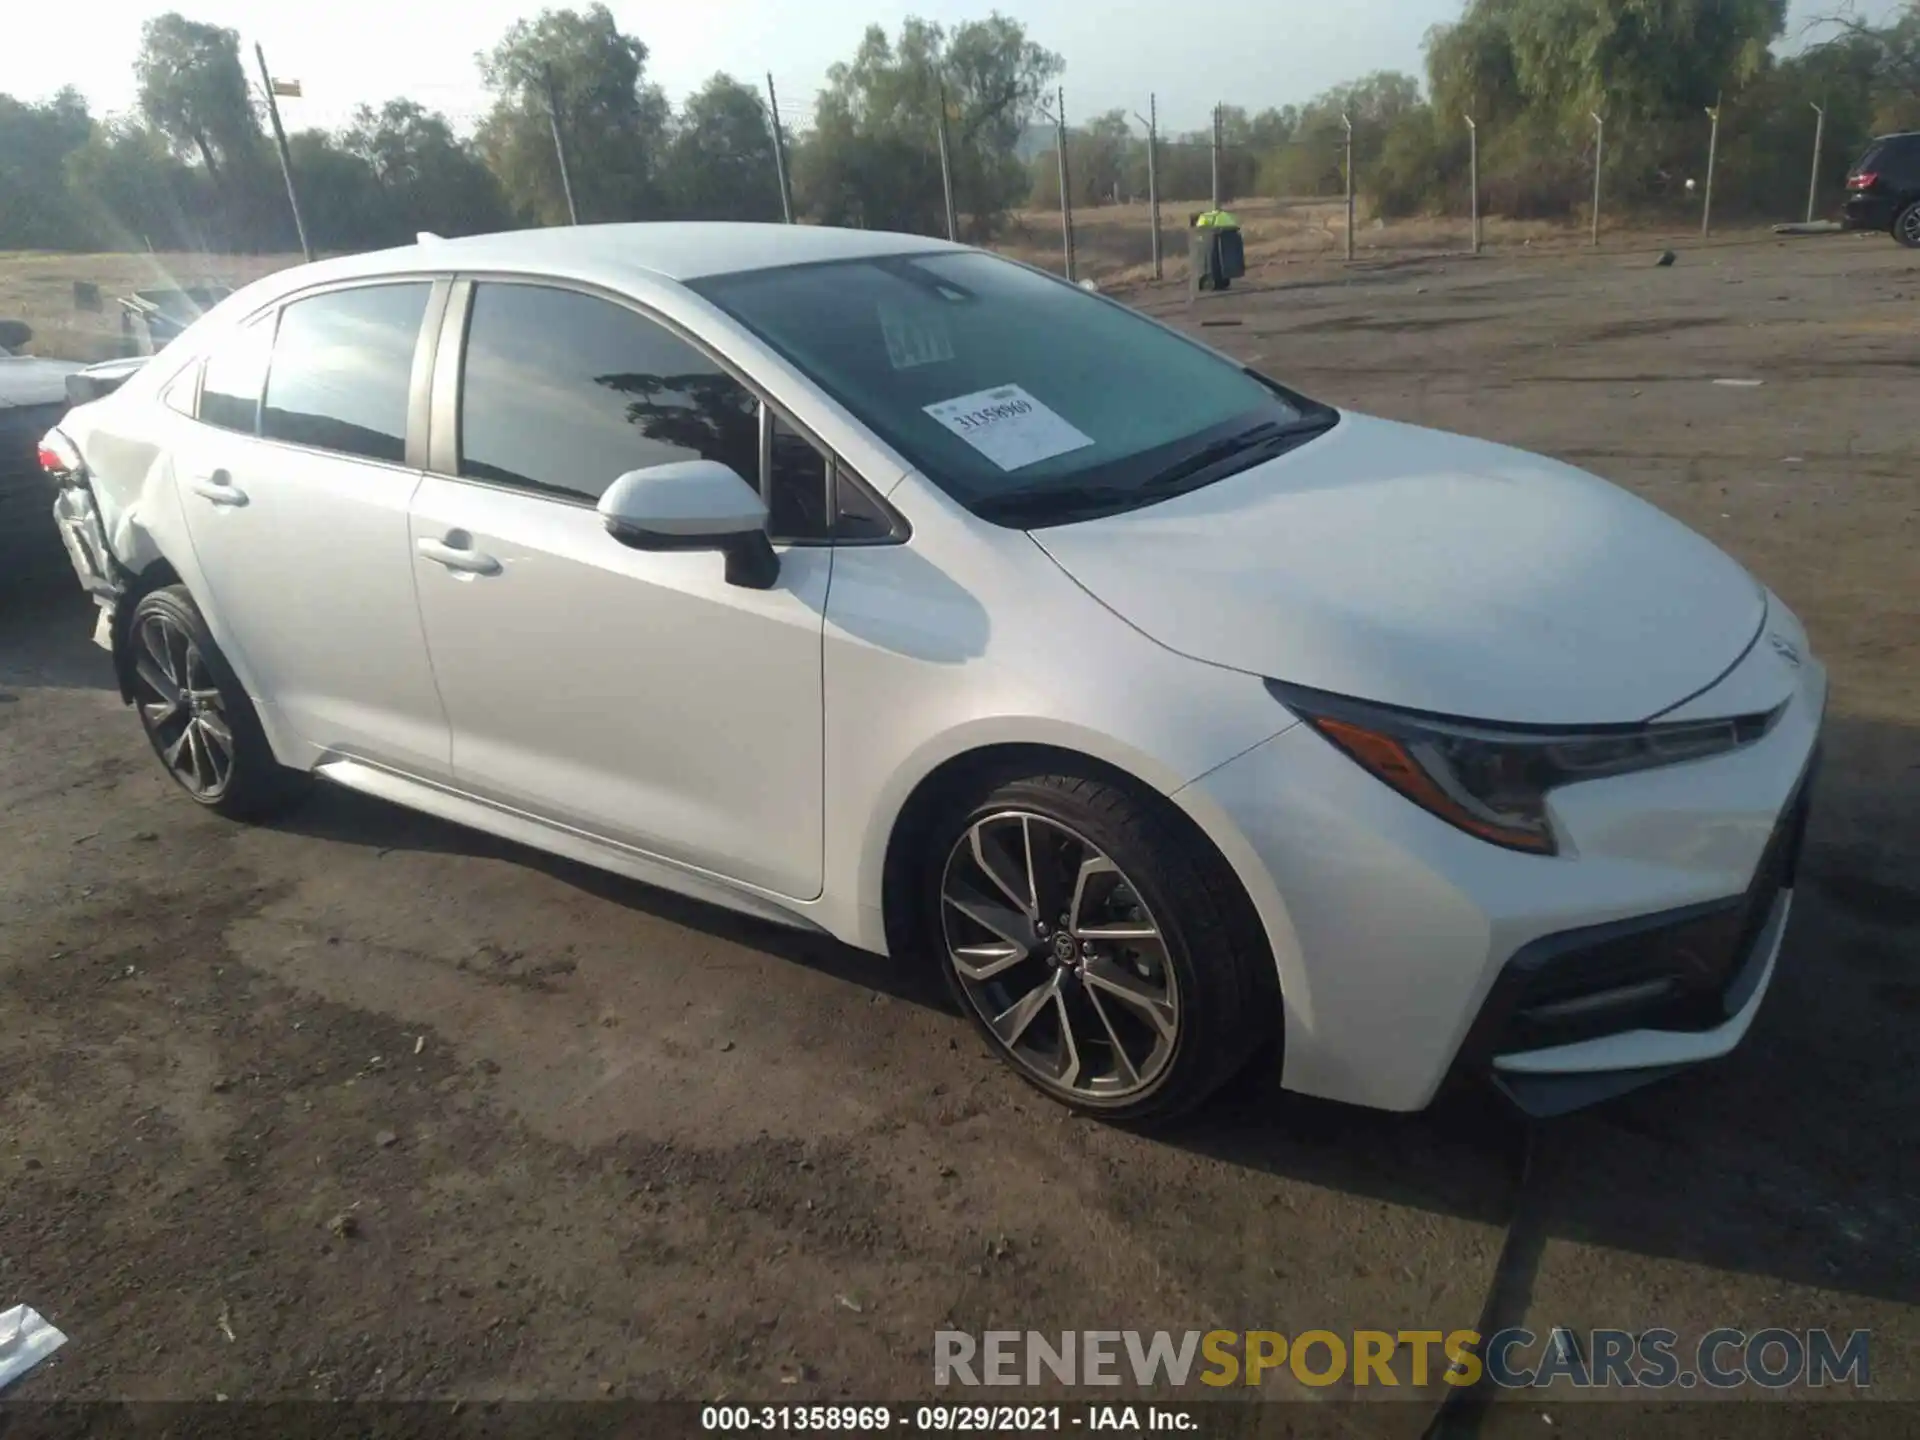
x=37 y=287
x=1114 y=243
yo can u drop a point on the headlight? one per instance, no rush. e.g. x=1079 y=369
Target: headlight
x=1492 y=780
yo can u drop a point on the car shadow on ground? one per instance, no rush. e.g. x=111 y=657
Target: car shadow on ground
x=1793 y=1158
x=348 y=817
x=45 y=635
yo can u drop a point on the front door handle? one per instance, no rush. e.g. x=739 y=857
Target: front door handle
x=460 y=559
x=219 y=488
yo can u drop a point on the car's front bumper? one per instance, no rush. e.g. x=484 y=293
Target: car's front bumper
x=1408 y=949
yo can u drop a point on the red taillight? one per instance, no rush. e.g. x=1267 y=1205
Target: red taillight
x=58 y=457
x=1863 y=181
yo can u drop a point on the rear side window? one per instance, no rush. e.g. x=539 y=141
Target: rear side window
x=342 y=370
x=564 y=393
x=230 y=389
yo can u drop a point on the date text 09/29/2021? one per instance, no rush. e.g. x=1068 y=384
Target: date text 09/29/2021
x=951 y=1419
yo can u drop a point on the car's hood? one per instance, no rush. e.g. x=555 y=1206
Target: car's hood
x=29 y=380
x=1427 y=570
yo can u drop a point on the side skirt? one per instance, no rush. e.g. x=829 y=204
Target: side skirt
x=530 y=830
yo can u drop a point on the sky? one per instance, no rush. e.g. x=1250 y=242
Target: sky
x=344 y=52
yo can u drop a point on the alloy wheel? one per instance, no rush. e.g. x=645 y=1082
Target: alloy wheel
x=180 y=706
x=1910 y=225
x=1059 y=955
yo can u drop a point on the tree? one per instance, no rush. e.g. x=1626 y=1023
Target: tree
x=193 y=90
x=720 y=165
x=130 y=192
x=36 y=209
x=1099 y=156
x=615 y=123
x=873 y=157
x=428 y=178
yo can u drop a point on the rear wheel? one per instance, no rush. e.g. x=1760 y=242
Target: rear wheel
x=1104 y=952
x=1906 y=226
x=196 y=714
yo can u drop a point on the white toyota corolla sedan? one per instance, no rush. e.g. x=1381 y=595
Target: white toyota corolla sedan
x=881 y=586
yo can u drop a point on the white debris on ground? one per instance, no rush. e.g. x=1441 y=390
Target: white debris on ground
x=26 y=1338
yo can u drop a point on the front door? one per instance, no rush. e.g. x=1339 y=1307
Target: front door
x=636 y=696
x=297 y=508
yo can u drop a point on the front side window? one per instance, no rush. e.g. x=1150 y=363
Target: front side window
x=564 y=393
x=343 y=368
x=230 y=387
x=1024 y=398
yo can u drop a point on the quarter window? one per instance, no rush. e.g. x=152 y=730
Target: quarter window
x=564 y=393
x=230 y=387
x=343 y=368
x=796 y=486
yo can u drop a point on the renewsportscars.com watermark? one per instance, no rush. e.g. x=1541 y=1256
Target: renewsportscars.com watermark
x=1725 y=1359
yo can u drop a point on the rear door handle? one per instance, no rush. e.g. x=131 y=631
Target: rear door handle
x=460 y=559
x=218 y=488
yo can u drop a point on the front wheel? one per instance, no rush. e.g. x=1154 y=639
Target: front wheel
x=1906 y=226
x=1104 y=951
x=195 y=713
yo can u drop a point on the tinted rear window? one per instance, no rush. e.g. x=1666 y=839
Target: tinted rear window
x=342 y=370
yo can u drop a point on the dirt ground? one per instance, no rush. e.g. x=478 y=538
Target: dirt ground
x=365 y=1105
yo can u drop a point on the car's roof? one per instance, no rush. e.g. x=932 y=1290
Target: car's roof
x=676 y=250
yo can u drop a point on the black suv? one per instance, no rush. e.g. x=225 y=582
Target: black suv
x=1883 y=188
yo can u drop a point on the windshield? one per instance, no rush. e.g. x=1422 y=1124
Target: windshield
x=1027 y=399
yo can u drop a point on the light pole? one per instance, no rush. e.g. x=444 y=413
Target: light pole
x=1599 y=145
x=1151 y=121
x=1347 y=121
x=1819 y=132
x=1473 y=177
x=1713 y=145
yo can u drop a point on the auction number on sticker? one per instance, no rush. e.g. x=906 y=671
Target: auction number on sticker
x=992 y=414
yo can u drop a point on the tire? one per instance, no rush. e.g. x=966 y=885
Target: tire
x=1155 y=1025
x=1906 y=226
x=196 y=714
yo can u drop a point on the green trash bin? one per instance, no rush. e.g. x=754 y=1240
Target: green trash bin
x=1216 y=253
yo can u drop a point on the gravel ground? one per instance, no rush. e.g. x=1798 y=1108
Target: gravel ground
x=361 y=1104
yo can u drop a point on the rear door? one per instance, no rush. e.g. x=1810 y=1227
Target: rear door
x=296 y=482
x=636 y=696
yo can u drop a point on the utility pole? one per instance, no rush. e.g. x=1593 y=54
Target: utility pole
x=1216 y=157
x=780 y=152
x=1151 y=120
x=946 y=168
x=559 y=145
x=1713 y=145
x=1599 y=143
x=1347 y=120
x=1819 y=133
x=1473 y=177
x=1066 y=184
x=286 y=160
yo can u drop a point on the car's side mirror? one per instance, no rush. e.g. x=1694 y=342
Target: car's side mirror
x=694 y=505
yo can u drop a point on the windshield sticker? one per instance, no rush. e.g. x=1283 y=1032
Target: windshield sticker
x=914 y=340
x=1008 y=426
